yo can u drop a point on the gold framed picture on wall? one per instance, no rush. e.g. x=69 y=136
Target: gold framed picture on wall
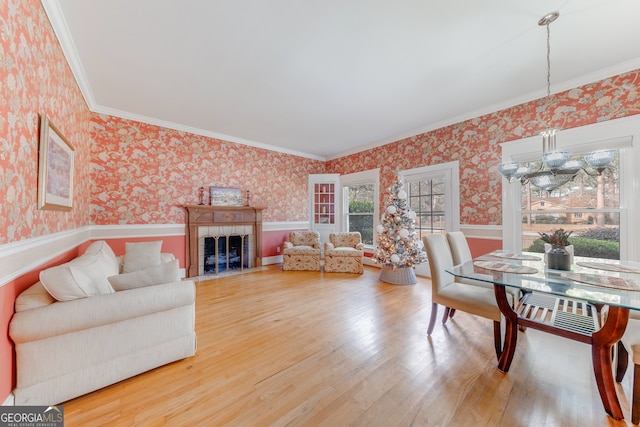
x=55 y=168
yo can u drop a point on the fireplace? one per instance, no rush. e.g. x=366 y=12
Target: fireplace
x=222 y=238
x=224 y=248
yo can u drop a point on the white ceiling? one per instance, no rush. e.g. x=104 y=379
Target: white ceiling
x=324 y=78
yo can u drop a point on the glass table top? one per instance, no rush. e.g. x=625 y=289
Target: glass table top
x=603 y=281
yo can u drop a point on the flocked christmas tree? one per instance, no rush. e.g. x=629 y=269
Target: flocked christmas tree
x=398 y=241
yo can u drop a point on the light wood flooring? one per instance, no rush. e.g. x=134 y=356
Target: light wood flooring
x=313 y=349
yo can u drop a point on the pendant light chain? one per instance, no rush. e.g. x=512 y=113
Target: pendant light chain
x=556 y=167
x=549 y=135
x=548 y=64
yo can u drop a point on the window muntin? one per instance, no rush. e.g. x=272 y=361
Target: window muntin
x=427 y=198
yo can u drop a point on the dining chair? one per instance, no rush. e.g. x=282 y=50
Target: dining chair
x=631 y=342
x=455 y=295
x=461 y=253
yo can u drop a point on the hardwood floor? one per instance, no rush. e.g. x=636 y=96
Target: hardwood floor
x=312 y=349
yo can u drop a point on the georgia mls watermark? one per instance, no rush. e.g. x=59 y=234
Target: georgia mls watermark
x=31 y=416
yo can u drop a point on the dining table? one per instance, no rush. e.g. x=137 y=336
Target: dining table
x=589 y=303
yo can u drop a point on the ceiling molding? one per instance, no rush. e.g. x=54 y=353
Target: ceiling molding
x=557 y=88
x=61 y=30
x=196 y=131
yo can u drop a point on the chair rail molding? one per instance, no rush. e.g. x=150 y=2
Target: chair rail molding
x=18 y=258
x=488 y=232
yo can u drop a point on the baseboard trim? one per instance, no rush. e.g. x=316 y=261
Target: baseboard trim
x=10 y=400
x=278 y=259
x=368 y=261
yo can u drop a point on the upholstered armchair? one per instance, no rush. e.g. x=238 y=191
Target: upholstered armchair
x=302 y=251
x=343 y=253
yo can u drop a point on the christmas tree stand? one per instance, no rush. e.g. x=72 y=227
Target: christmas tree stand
x=398 y=275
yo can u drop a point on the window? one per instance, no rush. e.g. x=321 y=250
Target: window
x=588 y=206
x=592 y=207
x=433 y=194
x=426 y=199
x=361 y=195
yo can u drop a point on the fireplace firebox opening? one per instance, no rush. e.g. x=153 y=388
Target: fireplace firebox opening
x=226 y=252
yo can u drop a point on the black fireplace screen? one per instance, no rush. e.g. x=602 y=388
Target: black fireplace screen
x=222 y=253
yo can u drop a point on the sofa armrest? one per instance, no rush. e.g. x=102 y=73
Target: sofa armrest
x=64 y=317
x=287 y=245
x=360 y=246
x=328 y=246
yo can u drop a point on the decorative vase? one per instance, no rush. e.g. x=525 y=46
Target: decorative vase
x=404 y=275
x=558 y=258
x=548 y=247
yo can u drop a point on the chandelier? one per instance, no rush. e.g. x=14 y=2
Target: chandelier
x=556 y=166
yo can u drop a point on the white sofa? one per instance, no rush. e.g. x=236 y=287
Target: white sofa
x=101 y=327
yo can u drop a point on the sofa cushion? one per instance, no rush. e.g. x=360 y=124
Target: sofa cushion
x=344 y=251
x=33 y=297
x=138 y=256
x=107 y=259
x=79 y=278
x=163 y=273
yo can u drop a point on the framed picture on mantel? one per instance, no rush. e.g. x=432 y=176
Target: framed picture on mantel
x=225 y=196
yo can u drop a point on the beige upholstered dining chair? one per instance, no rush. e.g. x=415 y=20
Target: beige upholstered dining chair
x=454 y=295
x=461 y=253
x=630 y=342
x=343 y=253
x=302 y=251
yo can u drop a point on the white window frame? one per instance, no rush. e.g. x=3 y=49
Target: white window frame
x=371 y=176
x=623 y=134
x=451 y=173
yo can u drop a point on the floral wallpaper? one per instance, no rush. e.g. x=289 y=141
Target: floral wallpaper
x=35 y=79
x=476 y=143
x=144 y=174
x=132 y=173
x=128 y=172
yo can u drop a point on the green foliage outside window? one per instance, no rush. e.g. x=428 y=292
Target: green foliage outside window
x=362 y=223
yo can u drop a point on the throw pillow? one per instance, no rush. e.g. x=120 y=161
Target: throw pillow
x=138 y=256
x=106 y=257
x=164 y=273
x=78 y=278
